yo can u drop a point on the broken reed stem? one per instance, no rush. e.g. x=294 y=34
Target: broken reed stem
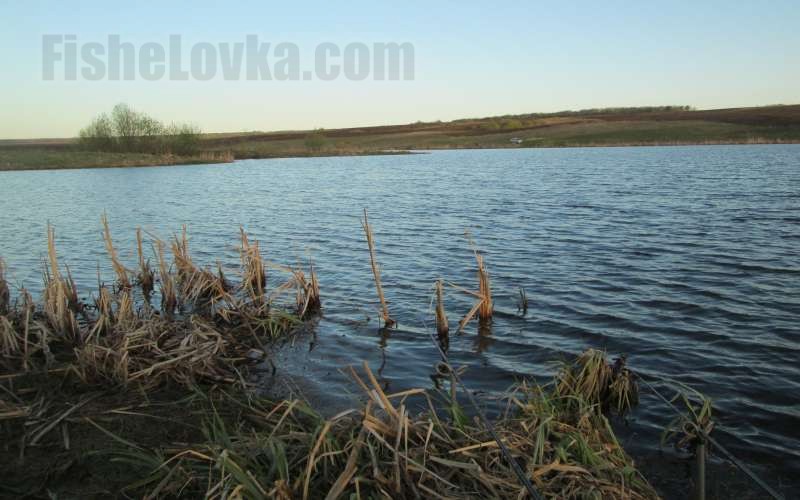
x=484 y=289
x=146 y=275
x=387 y=320
x=442 y=326
x=307 y=292
x=120 y=270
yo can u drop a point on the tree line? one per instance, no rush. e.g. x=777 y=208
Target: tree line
x=128 y=131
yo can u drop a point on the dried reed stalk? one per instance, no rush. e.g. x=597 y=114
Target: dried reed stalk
x=376 y=272
x=483 y=307
x=122 y=273
x=442 y=326
x=484 y=289
x=146 y=274
x=104 y=324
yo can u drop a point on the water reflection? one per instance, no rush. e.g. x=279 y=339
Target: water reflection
x=483 y=340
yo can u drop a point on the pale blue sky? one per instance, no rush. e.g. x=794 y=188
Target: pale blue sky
x=472 y=59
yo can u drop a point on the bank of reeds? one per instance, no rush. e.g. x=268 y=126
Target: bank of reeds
x=238 y=445
x=207 y=328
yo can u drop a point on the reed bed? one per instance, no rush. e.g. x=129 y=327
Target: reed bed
x=121 y=362
x=117 y=340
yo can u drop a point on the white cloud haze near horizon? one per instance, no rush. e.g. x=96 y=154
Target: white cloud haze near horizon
x=472 y=59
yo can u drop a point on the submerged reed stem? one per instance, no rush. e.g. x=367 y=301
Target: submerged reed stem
x=442 y=326
x=5 y=295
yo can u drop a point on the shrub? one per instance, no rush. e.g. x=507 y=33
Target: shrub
x=129 y=131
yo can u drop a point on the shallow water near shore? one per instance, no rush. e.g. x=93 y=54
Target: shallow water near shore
x=683 y=258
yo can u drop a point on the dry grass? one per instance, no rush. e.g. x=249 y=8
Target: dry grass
x=376 y=272
x=285 y=449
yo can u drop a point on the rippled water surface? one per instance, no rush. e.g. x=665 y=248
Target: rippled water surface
x=685 y=258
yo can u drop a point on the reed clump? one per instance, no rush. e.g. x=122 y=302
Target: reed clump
x=60 y=297
x=608 y=386
x=307 y=300
x=209 y=329
x=484 y=306
x=254 y=274
x=695 y=422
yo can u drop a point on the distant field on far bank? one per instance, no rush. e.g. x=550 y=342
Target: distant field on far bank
x=605 y=127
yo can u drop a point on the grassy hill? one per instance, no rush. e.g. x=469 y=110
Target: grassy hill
x=668 y=125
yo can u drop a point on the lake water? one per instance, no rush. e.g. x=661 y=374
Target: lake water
x=684 y=258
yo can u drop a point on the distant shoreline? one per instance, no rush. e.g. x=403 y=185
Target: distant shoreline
x=609 y=127
x=161 y=161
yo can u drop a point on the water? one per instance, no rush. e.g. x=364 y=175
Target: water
x=685 y=258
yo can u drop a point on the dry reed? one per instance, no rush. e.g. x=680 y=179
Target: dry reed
x=483 y=307
x=146 y=275
x=60 y=296
x=376 y=272
x=254 y=275
x=610 y=387
x=122 y=273
x=169 y=297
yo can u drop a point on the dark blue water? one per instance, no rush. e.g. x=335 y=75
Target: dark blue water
x=685 y=258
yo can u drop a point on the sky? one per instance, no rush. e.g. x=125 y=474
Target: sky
x=472 y=59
